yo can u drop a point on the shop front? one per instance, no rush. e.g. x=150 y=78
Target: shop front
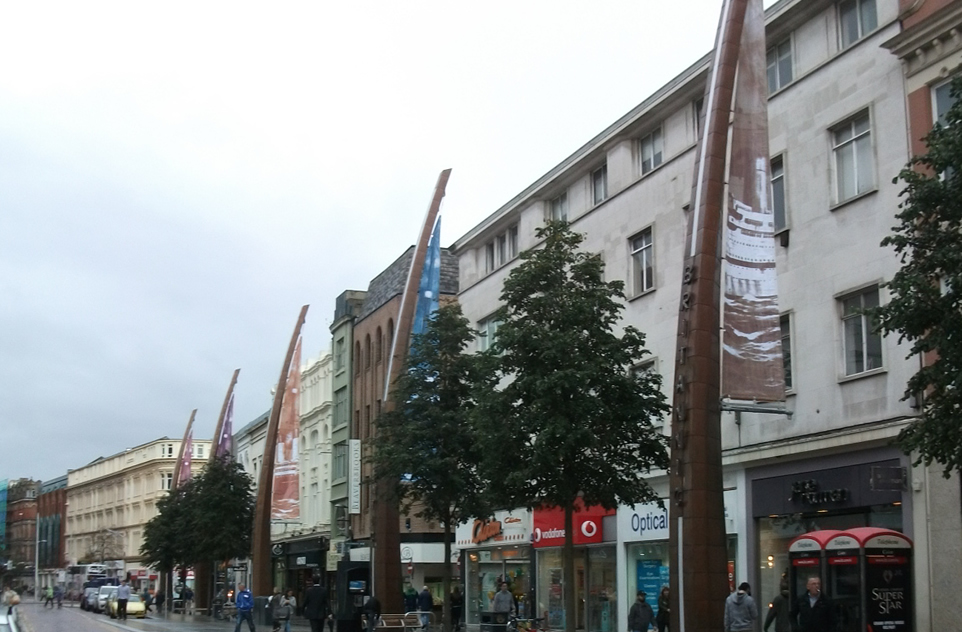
x=643 y=539
x=302 y=561
x=836 y=493
x=495 y=550
x=596 y=594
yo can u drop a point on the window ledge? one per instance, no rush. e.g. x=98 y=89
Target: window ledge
x=857 y=376
x=855 y=198
x=645 y=293
x=645 y=174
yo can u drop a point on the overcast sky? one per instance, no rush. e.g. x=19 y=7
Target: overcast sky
x=177 y=179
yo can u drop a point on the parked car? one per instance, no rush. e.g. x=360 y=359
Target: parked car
x=88 y=598
x=102 y=596
x=135 y=606
x=8 y=622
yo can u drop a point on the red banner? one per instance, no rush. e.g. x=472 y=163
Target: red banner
x=285 y=497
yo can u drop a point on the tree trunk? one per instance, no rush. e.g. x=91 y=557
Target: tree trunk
x=446 y=578
x=570 y=589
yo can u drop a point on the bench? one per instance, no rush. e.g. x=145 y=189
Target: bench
x=406 y=622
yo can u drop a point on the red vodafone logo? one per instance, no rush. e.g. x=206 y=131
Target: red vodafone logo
x=548 y=525
x=589 y=528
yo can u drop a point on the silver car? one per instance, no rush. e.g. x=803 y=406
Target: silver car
x=103 y=595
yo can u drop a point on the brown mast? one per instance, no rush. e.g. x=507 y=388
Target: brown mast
x=261 y=553
x=180 y=453
x=223 y=414
x=386 y=561
x=697 y=544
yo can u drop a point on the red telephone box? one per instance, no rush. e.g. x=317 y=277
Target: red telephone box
x=806 y=554
x=870 y=573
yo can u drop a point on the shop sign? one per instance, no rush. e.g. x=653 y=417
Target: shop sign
x=808 y=493
x=549 y=527
x=485 y=530
x=354 y=500
x=649 y=521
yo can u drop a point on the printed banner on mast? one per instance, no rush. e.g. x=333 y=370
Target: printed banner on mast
x=430 y=287
x=3 y=523
x=185 y=461
x=223 y=446
x=752 y=351
x=285 y=497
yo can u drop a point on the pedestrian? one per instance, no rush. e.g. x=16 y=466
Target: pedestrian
x=664 y=609
x=457 y=605
x=410 y=600
x=244 y=601
x=288 y=608
x=640 y=615
x=48 y=597
x=503 y=600
x=147 y=599
x=425 y=605
x=58 y=595
x=315 y=605
x=188 y=600
x=10 y=599
x=274 y=606
x=779 y=611
x=123 y=596
x=813 y=612
x=740 y=613
x=372 y=610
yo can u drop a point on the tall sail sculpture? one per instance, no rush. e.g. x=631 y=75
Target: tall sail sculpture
x=179 y=473
x=187 y=451
x=386 y=563
x=429 y=289
x=697 y=541
x=285 y=499
x=223 y=434
x=261 y=553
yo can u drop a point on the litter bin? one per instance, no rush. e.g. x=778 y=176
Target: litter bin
x=262 y=611
x=494 y=621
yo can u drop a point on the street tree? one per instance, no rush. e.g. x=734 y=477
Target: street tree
x=105 y=544
x=427 y=442
x=573 y=422
x=925 y=308
x=167 y=534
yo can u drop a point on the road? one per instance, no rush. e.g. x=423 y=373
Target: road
x=72 y=619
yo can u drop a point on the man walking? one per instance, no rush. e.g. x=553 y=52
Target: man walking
x=244 y=601
x=640 y=616
x=372 y=610
x=813 y=612
x=123 y=596
x=425 y=605
x=503 y=600
x=740 y=613
x=315 y=605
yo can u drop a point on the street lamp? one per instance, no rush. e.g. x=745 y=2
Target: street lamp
x=36 y=559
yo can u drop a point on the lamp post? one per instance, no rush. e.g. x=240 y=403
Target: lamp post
x=36 y=559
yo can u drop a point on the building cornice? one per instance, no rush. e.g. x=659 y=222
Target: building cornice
x=929 y=41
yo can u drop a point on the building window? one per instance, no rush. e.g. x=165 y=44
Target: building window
x=852 y=149
x=863 y=346
x=697 y=106
x=786 y=325
x=559 y=208
x=166 y=480
x=778 y=193
x=367 y=351
x=779 y=66
x=942 y=101
x=857 y=18
x=340 y=461
x=650 y=148
x=502 y=249
x=200 y=451
x=167 y=450
x=340 y=407
x=379 y=346
x=357 y=358
x=642 y=262
x=599 y=184
x=487 y=330
x=339 y=354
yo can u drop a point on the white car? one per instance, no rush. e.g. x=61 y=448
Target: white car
x=8 y=623
x=103 y=596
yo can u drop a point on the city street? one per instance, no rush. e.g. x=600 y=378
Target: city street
x=72 y=619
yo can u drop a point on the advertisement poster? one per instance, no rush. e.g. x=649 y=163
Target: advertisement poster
x=651 y=576
x=888 y=599
x=285 y=498
x=3 y=523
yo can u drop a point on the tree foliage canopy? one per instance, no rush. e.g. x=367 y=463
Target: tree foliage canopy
x=210 y=517
x=427 y=442
x=571 y=418
x=926 y=293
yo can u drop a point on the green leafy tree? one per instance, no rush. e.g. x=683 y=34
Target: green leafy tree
x=427 y=443
x=926 y=293
x=166 y=535
x=572 y=422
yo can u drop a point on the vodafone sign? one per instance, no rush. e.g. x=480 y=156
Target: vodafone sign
x=549 y=526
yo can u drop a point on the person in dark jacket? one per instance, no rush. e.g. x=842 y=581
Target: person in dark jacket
x=410 y=599
x=316 y=606
x=372 y=609
x=640 y=615
x=664 y=610
x=274 y=606
x=425 y=605
x=779 y=612
x=457 y=605
x=740 y=613
x=813 y=612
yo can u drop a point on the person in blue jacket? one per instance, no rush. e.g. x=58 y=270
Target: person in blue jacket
x=244 y=601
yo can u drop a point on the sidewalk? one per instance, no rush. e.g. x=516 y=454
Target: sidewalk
x=197 y=623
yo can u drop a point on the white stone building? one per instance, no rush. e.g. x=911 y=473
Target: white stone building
x=838 y=125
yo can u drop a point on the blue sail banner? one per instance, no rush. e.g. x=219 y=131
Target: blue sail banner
x=3 y=520
x=430 y=285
